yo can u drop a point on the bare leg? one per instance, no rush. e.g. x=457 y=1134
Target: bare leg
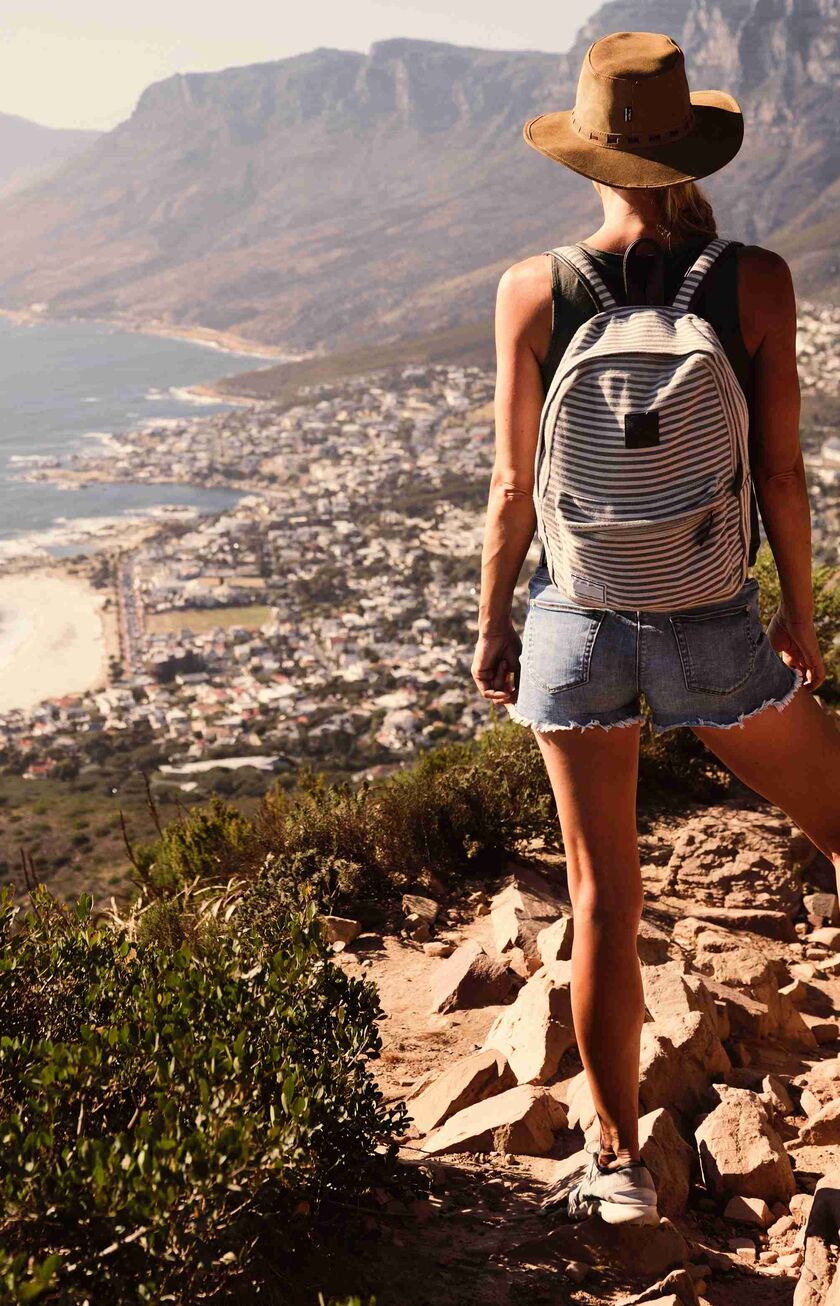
x=594 y=774
x=791 y=758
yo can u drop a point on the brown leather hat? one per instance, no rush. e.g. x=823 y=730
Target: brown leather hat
x=635 y=123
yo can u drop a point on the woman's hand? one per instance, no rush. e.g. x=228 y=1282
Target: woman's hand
x=495 y=666
x=796 y=643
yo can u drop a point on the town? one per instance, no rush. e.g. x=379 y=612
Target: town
x=330 y=614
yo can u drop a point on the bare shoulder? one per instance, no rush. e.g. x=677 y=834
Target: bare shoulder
x=766 y=300
x=763 y=268
x=525 y=287
x=523 y=301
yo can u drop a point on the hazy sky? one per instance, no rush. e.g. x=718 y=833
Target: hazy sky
x=84 y=63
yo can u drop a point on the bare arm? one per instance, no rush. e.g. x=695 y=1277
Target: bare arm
x=511 y=519
x=768 y=311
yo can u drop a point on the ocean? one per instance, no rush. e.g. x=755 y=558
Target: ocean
x=63 y=383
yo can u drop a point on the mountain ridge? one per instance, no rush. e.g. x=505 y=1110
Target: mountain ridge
x=337 y=198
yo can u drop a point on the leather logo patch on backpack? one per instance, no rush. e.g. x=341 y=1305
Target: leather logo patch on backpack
x=641 y=430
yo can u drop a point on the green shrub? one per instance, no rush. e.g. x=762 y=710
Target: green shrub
x=167 y=1113
x=826 y=584
x=212 y=842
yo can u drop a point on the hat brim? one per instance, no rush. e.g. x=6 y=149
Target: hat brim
x=713 y=141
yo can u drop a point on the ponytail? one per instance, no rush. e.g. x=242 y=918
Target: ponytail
x=684 y=211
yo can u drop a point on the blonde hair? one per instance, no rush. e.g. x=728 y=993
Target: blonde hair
x=684 y=211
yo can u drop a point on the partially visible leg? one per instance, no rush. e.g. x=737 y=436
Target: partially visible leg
x=594 y=775
x=791 y=758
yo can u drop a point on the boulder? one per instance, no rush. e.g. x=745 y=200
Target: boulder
x=822 y=1129
x=415 y=904
x=469 y=978
x=827 y=937
x=670 y=991
x=536 y=1030
x=822 y=909
x=521 y=911
x=823 y=1030
x=819 y=1282
x=769 y=924
x=417 y=928
x=725 y=858
x=819 y=1085
x=679 y=1059
x=740 y=1152
x=523 y=1121
x=677 y=1287
x=669 y=1158
x=554 y=943
x=775 y=1096
x=748 y=1210
x=340 y=929
x=473 y=1079
x=654 y=945
x=745 y=1016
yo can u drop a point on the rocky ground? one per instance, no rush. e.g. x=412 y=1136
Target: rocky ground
x=739 y=1082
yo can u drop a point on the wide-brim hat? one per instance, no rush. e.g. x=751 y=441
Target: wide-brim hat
x=635 y=122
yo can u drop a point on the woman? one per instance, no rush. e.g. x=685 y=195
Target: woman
x=786 y=747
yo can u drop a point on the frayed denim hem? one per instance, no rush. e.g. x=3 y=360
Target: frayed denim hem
x=778 y=703
x=572 y=725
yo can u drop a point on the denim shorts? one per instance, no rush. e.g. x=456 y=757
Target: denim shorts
x=711 y=665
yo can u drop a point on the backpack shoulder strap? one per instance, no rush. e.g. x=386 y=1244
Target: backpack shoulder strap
x=702 y=265
x=589 y=276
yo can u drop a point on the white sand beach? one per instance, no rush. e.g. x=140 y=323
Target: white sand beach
x=52 y=639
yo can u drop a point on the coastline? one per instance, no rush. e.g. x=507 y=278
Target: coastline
x=226 y=342
x=55 y=637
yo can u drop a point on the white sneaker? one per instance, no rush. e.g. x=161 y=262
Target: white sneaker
x=624 y=1194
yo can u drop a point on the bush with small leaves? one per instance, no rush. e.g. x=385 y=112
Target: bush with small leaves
x=166 y=1112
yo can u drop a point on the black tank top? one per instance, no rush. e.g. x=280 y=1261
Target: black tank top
x=716 y=301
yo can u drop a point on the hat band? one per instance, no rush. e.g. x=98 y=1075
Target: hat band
x=621 y=139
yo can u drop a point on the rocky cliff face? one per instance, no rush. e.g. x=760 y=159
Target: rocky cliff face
x=337 y=197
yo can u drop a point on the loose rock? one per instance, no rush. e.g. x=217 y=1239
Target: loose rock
x=521 y=911
x=523 y=1120
x=735 y=859
x=554 y=943
x=536 y=1030
x=473 y=1079
x=414 y=904
x=669 y=1158
x=823 y=1129
x=741 y=1153
x=469 y=978
x=748 y=1210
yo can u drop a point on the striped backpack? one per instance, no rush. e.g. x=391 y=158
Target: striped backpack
x=642 y=474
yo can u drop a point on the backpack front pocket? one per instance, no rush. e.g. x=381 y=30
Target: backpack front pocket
x=717 y=649
x=558 y=645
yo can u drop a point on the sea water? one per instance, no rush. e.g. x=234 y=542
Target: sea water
x=63 y=383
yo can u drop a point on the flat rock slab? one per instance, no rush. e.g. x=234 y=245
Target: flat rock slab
x=470 y=1080
x=726 y=858
x=523 y=1121
x=469 y=978
x=768 y=924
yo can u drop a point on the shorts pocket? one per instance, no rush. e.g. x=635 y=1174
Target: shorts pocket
x=717 y=649
x=558 y=645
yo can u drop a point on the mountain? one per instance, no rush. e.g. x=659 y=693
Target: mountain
x=30 y=152
x=338 y=199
